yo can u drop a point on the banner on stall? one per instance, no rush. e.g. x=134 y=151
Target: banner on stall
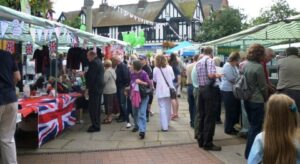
x=29 y=49
x=227 y=50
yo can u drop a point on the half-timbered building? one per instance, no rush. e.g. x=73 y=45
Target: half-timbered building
x=176 y=20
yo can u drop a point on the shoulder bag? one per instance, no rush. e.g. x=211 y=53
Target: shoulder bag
x=173 y=93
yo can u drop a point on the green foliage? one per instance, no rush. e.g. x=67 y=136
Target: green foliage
x=280 y=10
x=15 y=4
x=38 y=7
x=75 y=23
x=221 y=23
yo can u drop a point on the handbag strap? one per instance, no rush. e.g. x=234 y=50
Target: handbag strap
x=164 y=77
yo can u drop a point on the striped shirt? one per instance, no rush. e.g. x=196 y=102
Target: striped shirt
x=202 y=71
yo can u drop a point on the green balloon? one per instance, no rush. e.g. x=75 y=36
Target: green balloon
x=141 y=34
x=83 y=27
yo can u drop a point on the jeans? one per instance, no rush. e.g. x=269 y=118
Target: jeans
x=139 y=115
x=245 y=122
x=255 y=112
x=207 y=115
x=219 y=105
x=124 y=114
x=232 y=111
x=192 y=104
x=196 y=118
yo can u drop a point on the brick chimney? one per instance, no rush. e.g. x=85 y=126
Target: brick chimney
x=142 y=4
x=103 y=6
x=225 y=3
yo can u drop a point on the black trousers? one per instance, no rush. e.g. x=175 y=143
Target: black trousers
x=94 y=109
x=207 y=114
x=232 y=111
x=294 y=94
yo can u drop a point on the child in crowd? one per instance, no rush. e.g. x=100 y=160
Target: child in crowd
x=279 y=142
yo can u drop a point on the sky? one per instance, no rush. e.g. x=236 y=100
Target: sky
x=250 y=7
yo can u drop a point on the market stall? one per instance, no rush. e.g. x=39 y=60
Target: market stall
x=53 y=113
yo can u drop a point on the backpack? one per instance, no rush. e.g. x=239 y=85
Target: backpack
x=241 y=89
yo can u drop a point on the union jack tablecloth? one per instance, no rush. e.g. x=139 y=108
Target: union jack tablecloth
x=54 y=114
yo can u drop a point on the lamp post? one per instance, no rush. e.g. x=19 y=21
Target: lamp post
x=88 y=4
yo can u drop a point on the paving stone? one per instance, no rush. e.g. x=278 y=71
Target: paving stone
x=152 y=143
x=174 y=136
x=79 y=145
x=56 y=144
x=131 y=144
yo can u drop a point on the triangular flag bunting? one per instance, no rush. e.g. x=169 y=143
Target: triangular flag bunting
x=57 y=31
x=39 y=34
x=46 y=32
x=32 y=33
x=4 y=27
x=50 y=32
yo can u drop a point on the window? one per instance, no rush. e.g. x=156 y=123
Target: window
x=62 y=19
x=82 y=16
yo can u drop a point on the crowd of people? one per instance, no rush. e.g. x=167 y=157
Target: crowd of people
x=129 y=86
x=278 y=140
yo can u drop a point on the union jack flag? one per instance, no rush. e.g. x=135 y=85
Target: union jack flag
x=54 y=116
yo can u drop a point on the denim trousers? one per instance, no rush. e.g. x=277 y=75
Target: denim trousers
x=196 y=118
x=192 y=104
x=232 y=111
x=139 y=115
x=245 y=122
x=255 y=112
x=124 y=114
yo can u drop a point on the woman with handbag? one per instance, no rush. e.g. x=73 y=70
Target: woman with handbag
x=139 y=97
x=109 y=91
x=163 y=76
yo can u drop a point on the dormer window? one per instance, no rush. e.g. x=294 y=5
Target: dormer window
x=82 y=18
x=62 y=19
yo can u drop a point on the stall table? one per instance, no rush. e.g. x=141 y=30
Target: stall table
x=54 y=114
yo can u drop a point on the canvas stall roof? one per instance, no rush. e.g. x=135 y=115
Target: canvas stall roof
x=8 y=15
x=267 y=34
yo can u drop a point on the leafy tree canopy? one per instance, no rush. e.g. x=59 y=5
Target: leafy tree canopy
x=75 y=23
x=221 y=23
x=38 y=7
x=280 y=10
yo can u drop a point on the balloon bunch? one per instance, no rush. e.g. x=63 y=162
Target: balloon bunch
x=133 y=39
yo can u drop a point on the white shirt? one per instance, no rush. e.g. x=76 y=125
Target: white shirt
x=162 y=89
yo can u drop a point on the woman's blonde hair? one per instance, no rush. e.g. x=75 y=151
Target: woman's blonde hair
x=107 y=63
x=280 y=127
x=160 y=61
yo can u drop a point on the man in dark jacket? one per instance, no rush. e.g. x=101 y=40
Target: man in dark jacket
x=95 y=85
x=122 y=81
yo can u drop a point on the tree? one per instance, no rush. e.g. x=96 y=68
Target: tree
x=38 y=7
x=221 y=23
x=280 y=10
x=75 y=23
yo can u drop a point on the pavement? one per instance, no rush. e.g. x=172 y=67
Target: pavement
x=117 y=144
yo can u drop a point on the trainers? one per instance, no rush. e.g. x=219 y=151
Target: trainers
x=134 y=129
x=128 y=125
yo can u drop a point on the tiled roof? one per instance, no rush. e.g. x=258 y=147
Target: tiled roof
x=216 y=4
x=111 y=17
